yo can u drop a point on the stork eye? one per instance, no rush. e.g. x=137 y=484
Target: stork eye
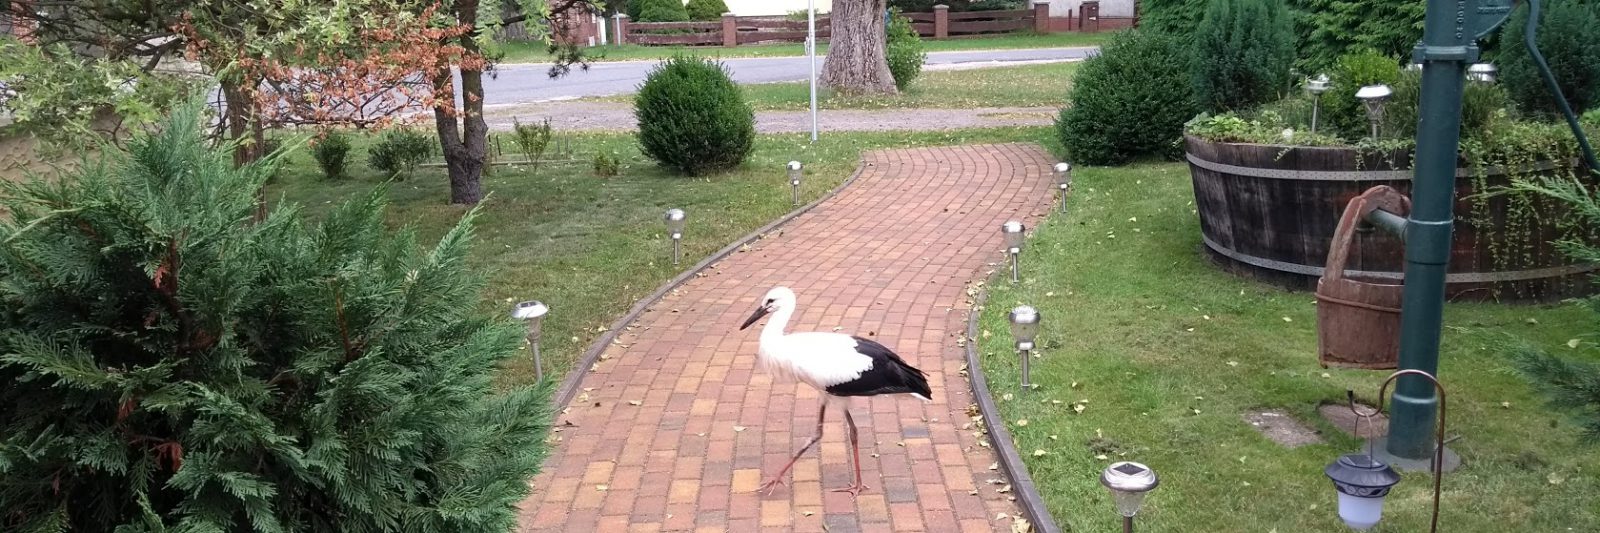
x=770 y=300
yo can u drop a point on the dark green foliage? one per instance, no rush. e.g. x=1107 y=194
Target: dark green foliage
x=332 y=153
x=904 y=51
x=1330 y=29
x=692 y=118
x=1243 y=52
x=1480 y=103
x=399 y=151
x=1340 y=109
x=705 y=9
x=1569 y=38
x=1573 y=386
x=1131 y=100
x=606 y=164
x=1172 y=17
x=660 y=11
x=168 y=365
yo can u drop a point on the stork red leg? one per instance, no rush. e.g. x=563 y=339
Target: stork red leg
x=855 y=448
x=778 y=479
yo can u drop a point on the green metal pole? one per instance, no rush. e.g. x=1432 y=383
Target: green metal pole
x=1446 y=48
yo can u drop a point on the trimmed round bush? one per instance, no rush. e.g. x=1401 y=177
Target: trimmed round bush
x=399 y=151
x=660 y=11
x=1351 y=72
x=1243 y=52
x=705 y=10
x=1131 y=100
x=904 y=51
x=332 y=153
x=692 y=118
x=1569 y=38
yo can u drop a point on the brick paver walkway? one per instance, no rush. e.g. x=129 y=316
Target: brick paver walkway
x=675 y=429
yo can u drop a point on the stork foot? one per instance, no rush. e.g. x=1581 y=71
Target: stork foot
x=772 y=485
x=854 y=490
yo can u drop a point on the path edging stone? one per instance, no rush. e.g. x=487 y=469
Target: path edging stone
x=1022 y=486
x=574 y=379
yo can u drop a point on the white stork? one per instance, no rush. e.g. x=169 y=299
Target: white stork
x=839 y=365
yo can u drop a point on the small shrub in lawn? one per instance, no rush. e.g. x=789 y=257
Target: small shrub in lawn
x=705 y=10
x=1131 y=100
x=660 y=11
x=531 y=140
x=1243 y=51
x=606 y=164
x=904 y=51
x=1569 y=38
x=399 y=151
x=692 y=118
x=332 y=153
x=1351 y=72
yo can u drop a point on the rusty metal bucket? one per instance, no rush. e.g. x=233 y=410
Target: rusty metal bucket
x=1358 y=321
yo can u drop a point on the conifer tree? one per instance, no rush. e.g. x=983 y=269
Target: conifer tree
x=168 y=365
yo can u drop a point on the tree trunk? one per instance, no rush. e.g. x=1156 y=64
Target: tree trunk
x=464 y=144
x=239 y=113
x=856 y=64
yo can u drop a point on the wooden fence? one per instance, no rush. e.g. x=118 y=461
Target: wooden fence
x=735 y=31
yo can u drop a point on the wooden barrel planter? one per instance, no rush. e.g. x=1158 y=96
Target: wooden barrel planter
x=1269 y=212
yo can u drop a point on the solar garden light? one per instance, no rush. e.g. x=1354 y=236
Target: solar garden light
x=1063 y=181
x=1373 y=97
x=675 y=227
x=794 y=180
x=1364 y=479
x=1013 y=231
x=532 y=312
x=1483 y=72
x=1316 y=86
x=1129 y=482
x=1024 y=327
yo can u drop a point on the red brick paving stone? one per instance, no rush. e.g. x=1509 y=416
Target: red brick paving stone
x=889 y=257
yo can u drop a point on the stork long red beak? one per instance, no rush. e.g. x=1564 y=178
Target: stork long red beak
x=760 y=312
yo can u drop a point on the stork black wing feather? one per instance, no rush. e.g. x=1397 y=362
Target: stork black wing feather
x=889 y=374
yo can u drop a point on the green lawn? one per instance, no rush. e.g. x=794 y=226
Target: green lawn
x=1039 y=85
x=590 y=247
x=1165 y=353
x=518 y=52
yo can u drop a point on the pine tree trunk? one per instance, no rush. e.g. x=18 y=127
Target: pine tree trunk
x=464 y=144
x=856 y=63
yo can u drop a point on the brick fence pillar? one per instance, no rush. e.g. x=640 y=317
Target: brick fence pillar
x=941 y=21
x=1041 y=16
x=730 y=30
x=622 y=28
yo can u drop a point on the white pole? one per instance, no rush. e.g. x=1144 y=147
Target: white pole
x=811 y=50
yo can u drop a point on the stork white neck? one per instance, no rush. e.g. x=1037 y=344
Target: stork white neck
x=777 y=322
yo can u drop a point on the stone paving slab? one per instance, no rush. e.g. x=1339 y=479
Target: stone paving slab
x=675 y=428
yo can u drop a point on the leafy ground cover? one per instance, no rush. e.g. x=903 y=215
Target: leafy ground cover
x=1165 y=353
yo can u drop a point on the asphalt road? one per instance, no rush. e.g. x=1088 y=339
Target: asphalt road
x=531 y=83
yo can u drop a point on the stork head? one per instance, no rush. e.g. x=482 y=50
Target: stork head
x=777 y=298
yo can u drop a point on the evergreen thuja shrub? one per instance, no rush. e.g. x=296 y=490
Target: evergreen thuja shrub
x=1569 y=39
x=1243 y=50
x=168 y=363
x=1343 y=113
x=692 y=118
x=659 y=11
x=1131 y=100
x=705 y=10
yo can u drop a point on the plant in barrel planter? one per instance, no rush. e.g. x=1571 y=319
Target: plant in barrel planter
x=1269 y=193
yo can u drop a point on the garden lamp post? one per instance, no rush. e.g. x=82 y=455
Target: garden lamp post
x=1024 y=327
x=1013 y=232
x=794 y=180
x=675 y=229
x=1483 y=72
x=532 y=312
x=1316 y=86
x=1364 y=479
x=1063 y=181
x=1129 y=482
x=1374 y=97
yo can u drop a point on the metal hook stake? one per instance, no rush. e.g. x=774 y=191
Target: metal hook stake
x=1438 y=449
